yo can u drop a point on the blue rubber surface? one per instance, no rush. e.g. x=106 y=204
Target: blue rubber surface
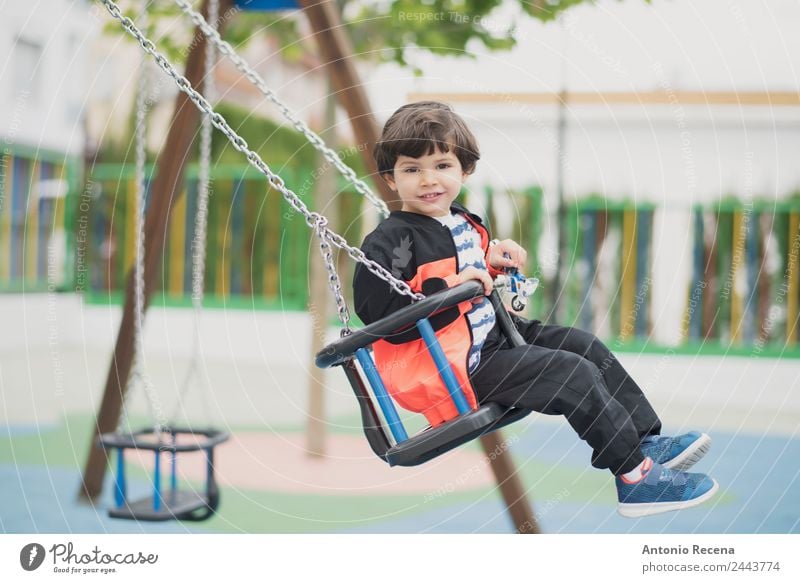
x=44 y=500
x=759 y=481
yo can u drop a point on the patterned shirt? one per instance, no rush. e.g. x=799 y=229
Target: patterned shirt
x=470 y=254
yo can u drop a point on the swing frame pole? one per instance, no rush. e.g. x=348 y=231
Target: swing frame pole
x=337 y=56
x=165 y=191
x=336 y=52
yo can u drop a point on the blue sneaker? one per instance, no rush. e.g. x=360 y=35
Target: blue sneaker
x=662 y=490
x=676 y=453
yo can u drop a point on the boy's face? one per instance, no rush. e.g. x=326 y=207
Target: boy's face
x=429 y=184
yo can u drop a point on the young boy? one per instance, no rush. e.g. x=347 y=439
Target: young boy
x=425 y=154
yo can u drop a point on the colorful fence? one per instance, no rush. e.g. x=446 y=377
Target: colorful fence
x=607 y=272
x=525 y=207
x=36 y=188
x=257 y=248
x=746 y=281
x=614 y=235
x=744 y=291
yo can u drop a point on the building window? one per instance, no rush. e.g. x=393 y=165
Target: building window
x=75 y=90
x=27 y=64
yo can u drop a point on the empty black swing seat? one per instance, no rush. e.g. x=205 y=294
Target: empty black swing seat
x=172 y=503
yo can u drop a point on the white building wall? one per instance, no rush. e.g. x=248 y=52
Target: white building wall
x=610 y=46
x=43 y=72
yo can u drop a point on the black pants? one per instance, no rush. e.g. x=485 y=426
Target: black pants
x=567 y=371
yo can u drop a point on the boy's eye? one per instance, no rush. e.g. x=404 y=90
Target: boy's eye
x=440 y=166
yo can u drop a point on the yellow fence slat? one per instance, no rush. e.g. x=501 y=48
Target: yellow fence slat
x=131 y=212
x=628 y=269
x=177 y=238
x=32 y=223
x=5 y=220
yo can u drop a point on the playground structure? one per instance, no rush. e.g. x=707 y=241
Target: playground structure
x=632 y=223
x=324 y=19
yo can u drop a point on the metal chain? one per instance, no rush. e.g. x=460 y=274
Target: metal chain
x=204 y=178
x=334 y=282
x=319 y=144
x=139 y=372
x=201 y=218
x=239 y=143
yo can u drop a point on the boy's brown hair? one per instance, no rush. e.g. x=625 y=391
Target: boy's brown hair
x=417 y=129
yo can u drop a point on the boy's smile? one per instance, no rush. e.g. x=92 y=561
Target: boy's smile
x=429 y=184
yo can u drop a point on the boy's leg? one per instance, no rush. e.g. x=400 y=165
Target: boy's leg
x=558 y=382
x=617 y=380
x=567 y=383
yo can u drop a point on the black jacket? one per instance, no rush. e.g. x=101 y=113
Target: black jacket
x=420 y=251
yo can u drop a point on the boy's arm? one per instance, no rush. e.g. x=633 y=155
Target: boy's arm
x=375 y=299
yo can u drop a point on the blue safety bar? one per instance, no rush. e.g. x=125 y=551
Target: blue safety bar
x=445 y=370
x=174 y=468
x=157 y=483
x=120 y=489
x=442 y=365
x=384 y=400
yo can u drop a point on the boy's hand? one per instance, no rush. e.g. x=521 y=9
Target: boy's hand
x=479 y=274
x=517 y=256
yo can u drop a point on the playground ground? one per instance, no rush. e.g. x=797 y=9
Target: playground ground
x=270 y=484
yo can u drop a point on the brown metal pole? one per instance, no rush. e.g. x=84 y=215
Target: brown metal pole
x=511 y=487
x=165 y=191
x=337 y=55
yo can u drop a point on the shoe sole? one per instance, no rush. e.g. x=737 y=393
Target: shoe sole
x=691 y=455
x=639 y=510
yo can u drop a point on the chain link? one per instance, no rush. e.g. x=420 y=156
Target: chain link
x=139 y=372
x=312 y=218
x=209 y=30
x=334 y=282
x=204 y=178
x=201 y=220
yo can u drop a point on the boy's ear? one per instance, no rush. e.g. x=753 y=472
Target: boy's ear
x=388 y=177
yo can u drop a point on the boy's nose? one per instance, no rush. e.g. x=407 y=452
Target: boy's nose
x=428 y=176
